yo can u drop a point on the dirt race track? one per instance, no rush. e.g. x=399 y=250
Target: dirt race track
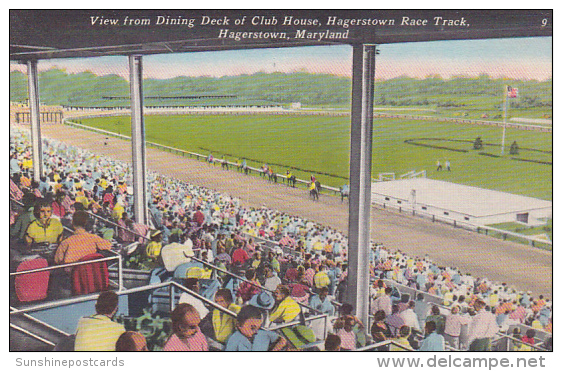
x=522 y=266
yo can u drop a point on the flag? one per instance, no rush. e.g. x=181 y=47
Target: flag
x=511 y=92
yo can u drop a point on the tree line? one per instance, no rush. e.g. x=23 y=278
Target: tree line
x=85 y=89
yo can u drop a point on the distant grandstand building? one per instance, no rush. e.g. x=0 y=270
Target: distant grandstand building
x=19 y=114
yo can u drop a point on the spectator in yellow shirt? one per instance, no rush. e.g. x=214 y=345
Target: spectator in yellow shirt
x=402 y=339
x=287 y=308
x=44 y=229
x=223 y=324
x=99 y=332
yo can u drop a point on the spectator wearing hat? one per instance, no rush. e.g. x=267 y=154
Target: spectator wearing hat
x=186 y=334
x=264 y=300
x=287 y=309
x=250 y=337
x=223 y=324
x=99 y=332
x=154 y=247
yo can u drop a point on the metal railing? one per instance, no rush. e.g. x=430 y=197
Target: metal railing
x=117 y=258
x=106 y=221
x=171 y=294
x=35 y=321
x=383 y=344
x=29 y=333
x=286 y=250
x=215 y=268
x=510 y=339
x=20 y=204
x=267 y=245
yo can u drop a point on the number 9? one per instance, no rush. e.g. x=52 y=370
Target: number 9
x=544 y=22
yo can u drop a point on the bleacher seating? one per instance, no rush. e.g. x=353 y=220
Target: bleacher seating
x=79 y=179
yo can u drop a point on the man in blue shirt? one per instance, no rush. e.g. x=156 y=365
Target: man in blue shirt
x=250 y=337
x=321 y=302
x=433 y=342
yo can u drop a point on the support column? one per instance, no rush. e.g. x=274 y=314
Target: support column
x=357 y=292
x=138 y=140
x=33 y=91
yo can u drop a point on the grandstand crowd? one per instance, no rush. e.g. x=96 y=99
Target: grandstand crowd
x=274 y=268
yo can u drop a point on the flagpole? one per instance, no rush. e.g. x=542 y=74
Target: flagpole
x=504 y=119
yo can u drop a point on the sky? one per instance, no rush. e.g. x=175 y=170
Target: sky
x=518 y=58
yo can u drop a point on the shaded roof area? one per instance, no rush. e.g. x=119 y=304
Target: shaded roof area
x=46 y=34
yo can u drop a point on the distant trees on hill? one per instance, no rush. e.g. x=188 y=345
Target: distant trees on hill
x=57 y=87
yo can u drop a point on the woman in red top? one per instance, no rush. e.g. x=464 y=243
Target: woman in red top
x=246 y=289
